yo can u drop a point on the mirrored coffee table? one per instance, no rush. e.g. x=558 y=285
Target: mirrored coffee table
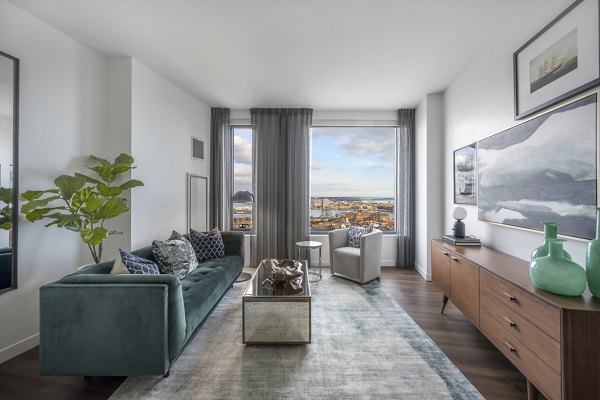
x=273 y=316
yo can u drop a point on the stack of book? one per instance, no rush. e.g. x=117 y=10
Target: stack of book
x=466 y=241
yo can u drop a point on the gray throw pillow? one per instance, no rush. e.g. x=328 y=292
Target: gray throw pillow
x=174 y=256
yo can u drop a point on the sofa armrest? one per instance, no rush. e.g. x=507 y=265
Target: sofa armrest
x=111 y=325
x=234 y=243
x=370 y=255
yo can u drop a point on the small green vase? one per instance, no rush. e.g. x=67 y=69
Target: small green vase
x=550 y=232
x=592 y=260
x=557 y=274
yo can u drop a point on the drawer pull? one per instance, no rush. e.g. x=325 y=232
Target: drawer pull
x=510 y=347
x=510 y=322
x=510 y=296
x=446 y=253
x=455 y=259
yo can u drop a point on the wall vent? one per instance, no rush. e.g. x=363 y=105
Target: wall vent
x=197 y=149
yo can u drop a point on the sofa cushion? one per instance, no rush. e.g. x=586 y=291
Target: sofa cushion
x=138 y=265
x=174 y=256
x=203 y=288
x=207 y=245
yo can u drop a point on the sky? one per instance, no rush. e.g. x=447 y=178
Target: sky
x=345 y=161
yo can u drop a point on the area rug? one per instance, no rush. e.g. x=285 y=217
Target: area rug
x=364 y=346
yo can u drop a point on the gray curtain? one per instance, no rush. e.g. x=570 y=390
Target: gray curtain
x=405 y=162
x=221 y=169
x=281 y=179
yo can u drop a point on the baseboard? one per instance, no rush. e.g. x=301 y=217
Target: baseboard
x=422 y=272
x=325 y=263
x=20 y=347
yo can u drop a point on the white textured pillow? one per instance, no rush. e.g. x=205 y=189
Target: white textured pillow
x=119 y=268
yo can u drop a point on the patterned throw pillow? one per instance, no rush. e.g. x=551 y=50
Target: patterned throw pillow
x=138 y=265
x=174 y=256
x=354 y=234
x=176 y=236
x=207 y=245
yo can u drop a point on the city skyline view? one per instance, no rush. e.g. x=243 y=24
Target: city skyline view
x=352 y=177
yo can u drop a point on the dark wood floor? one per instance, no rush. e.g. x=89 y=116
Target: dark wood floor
x=472 y=353
x=483 y=365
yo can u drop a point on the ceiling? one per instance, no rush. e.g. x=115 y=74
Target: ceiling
x=324 y=54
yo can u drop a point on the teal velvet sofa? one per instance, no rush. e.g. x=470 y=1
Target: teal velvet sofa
x=93 y=323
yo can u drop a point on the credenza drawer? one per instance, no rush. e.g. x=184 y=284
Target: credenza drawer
x=440 y=268
x=539 y=342
x=464 y=286
x=541 y=314
x=536 y=370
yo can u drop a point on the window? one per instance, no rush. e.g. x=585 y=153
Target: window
x=353 y=175
x=242 y=175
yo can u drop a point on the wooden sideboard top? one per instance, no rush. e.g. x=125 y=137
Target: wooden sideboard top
x=516 y=271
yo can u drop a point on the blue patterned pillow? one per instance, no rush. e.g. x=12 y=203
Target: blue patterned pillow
x=138 y=265
x=207 y=245
x=354 y=234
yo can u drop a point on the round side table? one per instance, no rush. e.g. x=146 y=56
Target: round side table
x=306 y=247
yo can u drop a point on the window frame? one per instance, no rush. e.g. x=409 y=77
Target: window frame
x=231 y=130
x=353 y=124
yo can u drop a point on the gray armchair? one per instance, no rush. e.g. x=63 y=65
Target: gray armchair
x=360 y=265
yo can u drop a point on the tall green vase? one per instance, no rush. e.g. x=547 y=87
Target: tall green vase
x=557 y=274
x=592 y=260
x=550 y=232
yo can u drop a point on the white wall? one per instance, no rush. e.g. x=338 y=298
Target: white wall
x=164 y=118
x=63 y=109
x=428 y=182
x=478 y=104
x=117 y=140
x=6 y=147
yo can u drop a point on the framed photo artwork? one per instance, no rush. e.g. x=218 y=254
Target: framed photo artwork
x=543 y=170
x=465 y=176
x=560 y=61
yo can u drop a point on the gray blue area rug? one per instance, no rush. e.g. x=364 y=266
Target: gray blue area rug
x=364 y=346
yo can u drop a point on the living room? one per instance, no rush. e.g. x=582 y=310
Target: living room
x=283 y=124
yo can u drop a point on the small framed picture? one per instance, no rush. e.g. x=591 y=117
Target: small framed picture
x=465 y=176
x=560 y=61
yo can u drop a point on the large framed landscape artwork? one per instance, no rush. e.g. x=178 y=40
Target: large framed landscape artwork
x=560 y=61
x=543 y=170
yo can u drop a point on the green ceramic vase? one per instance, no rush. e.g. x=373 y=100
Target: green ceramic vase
x=592 y=260
x=550 y=232
x=557 y=274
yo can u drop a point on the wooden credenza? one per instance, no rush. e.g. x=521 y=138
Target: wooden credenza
x=553 y=340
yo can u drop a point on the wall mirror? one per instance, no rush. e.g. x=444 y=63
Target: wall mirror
x=9 y=134
x=197 y=214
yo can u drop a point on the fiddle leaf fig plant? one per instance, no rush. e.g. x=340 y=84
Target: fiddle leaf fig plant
x=83 y=203
x=6 y=210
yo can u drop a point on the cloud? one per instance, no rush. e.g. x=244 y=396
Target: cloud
x=242 y=150
x=317 y=166
x=359 y=142
x=242 y=178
